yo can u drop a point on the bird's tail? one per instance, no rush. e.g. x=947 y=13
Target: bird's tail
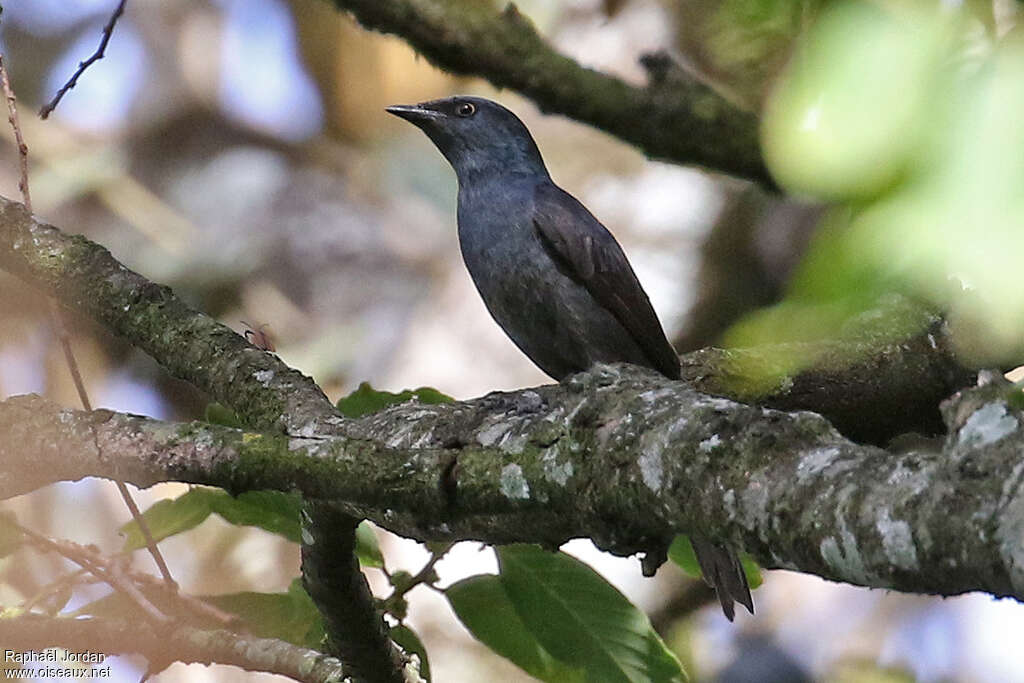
x=723 y=571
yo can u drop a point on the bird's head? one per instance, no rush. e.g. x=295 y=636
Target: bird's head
x=475 y=135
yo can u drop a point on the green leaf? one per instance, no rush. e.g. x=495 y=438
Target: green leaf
x=681 y=553
x=220 y=414
x=170 y=517
x=367 y=548
x=366 y=399
x=291 y=617
x=431 y=396
x=11 y=537
x=271 y=511
x=411 y=643
x=752 y=570
x=279 y=513
x=582 y=620
x=483 y=606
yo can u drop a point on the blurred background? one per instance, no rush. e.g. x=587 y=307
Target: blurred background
x=237 y=150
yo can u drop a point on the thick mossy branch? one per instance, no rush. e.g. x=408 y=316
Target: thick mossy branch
x=191 y=346
x=619 y=455
x=872 y=388
x=33 y=632
x=675 y=117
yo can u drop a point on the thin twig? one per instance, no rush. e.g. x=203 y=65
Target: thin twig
x=194 y=604
x=69 y=355
x=91 y=561
x=108 y=31
x=425 y=576
x=55 y=313
x=147 y=535
x=62 y=582
x=12 y=117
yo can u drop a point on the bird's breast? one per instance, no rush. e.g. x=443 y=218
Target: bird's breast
x=496 y=237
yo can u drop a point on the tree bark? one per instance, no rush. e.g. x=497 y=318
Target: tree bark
x=619 y=455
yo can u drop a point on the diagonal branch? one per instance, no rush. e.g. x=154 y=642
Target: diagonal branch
x=191 y=346
x=675 y=117
x=55 y=314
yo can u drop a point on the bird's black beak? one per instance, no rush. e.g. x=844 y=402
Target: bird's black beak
x=414 y=113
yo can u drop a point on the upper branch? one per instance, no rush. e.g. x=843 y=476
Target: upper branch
x=675 y=117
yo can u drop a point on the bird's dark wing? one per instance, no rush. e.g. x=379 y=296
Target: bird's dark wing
x=589 y=254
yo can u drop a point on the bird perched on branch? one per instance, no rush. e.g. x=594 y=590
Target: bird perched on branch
x=549 y=273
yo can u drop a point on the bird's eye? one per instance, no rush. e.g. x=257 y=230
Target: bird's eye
x=466 y=109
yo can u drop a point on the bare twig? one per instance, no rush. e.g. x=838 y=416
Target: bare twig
x=154 y=551
x=686 y=600
x=91 y=561
x=426 y=575
x=108 y=31
x=194 y=604
x=69 y=356
x=12 y=116
x=189 y=644
x=61 y=583
x=55 y=313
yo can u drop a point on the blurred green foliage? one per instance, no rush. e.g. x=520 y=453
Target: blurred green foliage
x=904 y=116
x=741 y=45
x=219 y=414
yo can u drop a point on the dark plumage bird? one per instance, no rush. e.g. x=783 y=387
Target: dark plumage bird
x=549 y=273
